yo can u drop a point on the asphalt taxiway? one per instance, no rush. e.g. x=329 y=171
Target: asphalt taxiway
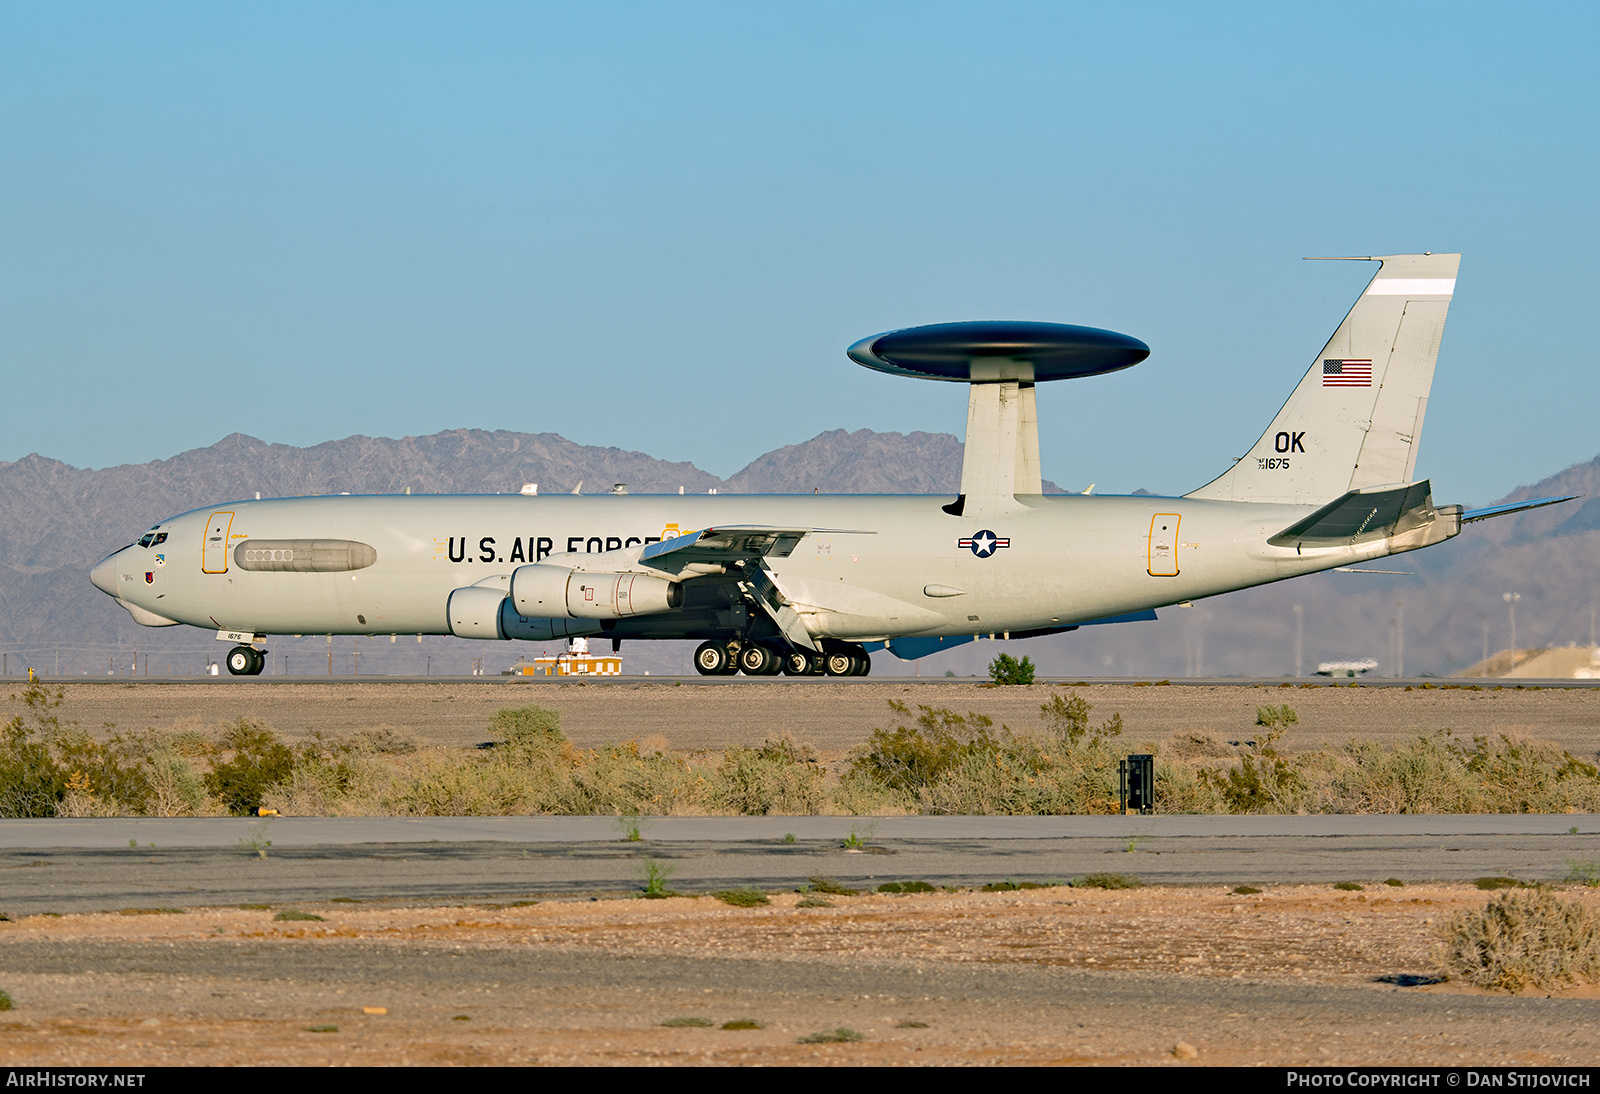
x=108 y=864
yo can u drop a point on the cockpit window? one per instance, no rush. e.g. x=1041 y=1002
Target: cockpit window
x=147 y=539
x=161 y=537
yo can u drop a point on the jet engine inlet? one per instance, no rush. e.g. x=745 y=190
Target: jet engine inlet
x=542 y=591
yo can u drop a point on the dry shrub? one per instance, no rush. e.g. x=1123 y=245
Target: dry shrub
x=1197 y=744
x=780 y=777
x=384 y=741
x=1517 y=774
x=951 y=763
x=49 y=767
x=858 y=795
x=1439 y=774
x=653 y=744
x=250 y=762
x=350 y=784
x=533 y=769
x=932 y=761
x=995 y=782
x=177 y=785
x=911 y=758
x=1526 y=938
x=1179 y=789
x=1265 y=780
x=1424 y=775
x=80 y=800
x=618 y=780
x=464 y=786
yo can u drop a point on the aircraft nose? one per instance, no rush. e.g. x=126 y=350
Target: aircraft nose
x=104 y=575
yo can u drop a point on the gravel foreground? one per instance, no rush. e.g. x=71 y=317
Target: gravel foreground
x=1293 y=975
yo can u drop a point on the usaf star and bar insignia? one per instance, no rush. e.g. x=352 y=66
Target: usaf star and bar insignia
x=984 y=543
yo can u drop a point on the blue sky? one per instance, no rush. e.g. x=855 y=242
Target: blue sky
x=658 y=226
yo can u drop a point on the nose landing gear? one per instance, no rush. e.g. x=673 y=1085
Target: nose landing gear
x=246 y=661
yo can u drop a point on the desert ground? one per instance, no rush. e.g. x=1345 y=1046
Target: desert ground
x=1292 y=975
x=1178 y=974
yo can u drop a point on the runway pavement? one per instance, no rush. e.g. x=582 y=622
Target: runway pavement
x=809 y=681
x=106 y=864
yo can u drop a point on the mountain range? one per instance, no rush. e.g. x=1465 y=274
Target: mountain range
x=56 y=521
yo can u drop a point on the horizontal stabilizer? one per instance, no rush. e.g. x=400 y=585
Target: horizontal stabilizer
x=1514 y=507
x=1361 y=515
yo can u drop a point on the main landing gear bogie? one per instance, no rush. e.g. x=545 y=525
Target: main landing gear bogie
x=246 y=661
x=760 y=659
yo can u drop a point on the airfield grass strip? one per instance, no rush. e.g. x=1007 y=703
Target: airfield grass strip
x=926 y=761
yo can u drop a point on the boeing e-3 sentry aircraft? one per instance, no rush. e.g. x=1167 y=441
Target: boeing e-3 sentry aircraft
x=812 y=584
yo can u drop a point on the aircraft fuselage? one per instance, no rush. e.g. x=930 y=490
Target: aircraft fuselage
x=900 y=566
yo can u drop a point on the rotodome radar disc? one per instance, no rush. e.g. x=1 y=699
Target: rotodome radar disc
x=948 y=351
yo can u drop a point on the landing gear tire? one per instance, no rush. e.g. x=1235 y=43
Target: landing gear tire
x=803 y=663
x=758 y=660
x=713 y=659
x=848 y=661
x=246 y=661
x=844 y=662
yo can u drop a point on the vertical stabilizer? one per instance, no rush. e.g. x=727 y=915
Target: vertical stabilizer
x=1356 y=418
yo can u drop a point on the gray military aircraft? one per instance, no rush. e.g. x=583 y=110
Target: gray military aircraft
x=812 y=584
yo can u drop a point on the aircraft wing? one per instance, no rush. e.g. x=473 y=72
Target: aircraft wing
x=725 y=545
x=712 y=550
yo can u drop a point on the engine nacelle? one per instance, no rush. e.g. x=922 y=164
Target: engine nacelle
x=513 y=625
x=474 y=612
x=540 y=592
x=486 y=613
x=555 y=592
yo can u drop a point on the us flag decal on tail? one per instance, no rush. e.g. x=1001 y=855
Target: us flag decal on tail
x=1347 y=373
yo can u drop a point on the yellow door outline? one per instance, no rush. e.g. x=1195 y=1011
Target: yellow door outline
x=214 y=549
x=1162 y=550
